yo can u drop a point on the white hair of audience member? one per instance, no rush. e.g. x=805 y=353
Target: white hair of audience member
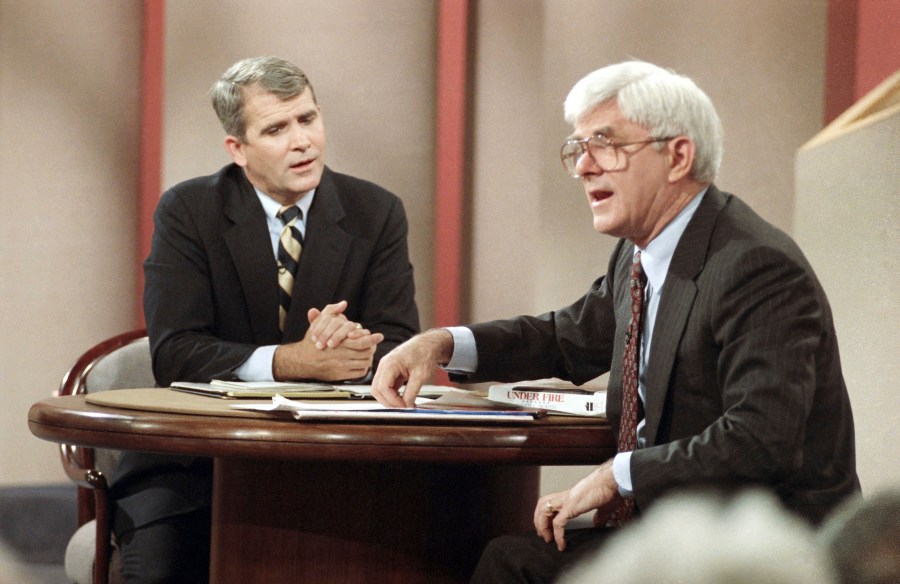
x=10 y=568
x=708 y=539
x=863 y=538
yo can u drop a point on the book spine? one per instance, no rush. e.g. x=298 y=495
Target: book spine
x=584 y=404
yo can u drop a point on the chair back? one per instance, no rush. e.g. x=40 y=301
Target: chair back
x=126 y=367
x=120 y=362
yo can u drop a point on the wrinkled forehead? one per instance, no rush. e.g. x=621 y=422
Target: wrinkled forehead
x=605 y=119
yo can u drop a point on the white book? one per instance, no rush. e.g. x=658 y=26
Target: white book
x=551 y=397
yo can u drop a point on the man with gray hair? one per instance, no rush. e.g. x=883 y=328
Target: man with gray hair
x=274 y=268
x=718 y=338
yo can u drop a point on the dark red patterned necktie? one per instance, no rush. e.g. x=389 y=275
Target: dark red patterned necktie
x=628 y=425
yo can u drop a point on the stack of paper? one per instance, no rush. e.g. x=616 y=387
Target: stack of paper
x=426 y=409
x=268 y=389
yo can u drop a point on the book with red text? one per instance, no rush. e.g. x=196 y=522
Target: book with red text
x=551 y=397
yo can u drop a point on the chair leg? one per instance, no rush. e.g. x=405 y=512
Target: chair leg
x=101 y=555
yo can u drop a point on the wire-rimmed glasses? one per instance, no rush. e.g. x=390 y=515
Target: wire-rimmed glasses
x=604 y=151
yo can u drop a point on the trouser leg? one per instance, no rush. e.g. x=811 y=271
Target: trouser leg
x=173 y=550
x=527 y=559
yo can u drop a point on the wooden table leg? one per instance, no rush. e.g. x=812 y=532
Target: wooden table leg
x=280 y=521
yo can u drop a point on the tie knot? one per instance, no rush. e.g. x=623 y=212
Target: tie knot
x=288 y=213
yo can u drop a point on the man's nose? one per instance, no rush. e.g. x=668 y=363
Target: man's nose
x=299 y=138
x=585 y=165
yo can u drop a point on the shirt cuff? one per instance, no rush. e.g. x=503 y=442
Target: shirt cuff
x=258 y=366
x=622 y=473
x=465 y=353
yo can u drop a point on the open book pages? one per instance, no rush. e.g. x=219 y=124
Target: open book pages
x=268 y=389
x=425 y=410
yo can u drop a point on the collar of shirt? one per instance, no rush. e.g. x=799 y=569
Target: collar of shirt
x=271 y=207
x=657 y=256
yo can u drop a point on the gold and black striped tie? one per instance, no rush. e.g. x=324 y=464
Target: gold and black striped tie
x=290 y=244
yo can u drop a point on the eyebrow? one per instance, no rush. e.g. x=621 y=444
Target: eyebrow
x=273 y=125
x=605 y=131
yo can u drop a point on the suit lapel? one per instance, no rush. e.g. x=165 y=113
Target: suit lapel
x=678 y=294
x=251 y=251
x=325 y=249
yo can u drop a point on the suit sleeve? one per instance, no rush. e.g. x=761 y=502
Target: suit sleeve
x=179 y=304
x=763 y=326
x=387 y=298
x=574 y=343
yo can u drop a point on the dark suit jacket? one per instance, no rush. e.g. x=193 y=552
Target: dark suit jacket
x=744 y=382
x=211 y=291
x=211 y=297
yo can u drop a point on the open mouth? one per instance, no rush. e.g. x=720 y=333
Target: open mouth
x=303 y=165
x=598 y=196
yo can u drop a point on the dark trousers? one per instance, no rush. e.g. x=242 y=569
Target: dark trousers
x=162 y=517
x=173 y=550
x=526 y=559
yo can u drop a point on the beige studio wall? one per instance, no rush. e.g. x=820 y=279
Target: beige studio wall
x=69 y=120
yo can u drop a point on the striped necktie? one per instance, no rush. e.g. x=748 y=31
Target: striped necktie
x=290 y=244
x=628 y=426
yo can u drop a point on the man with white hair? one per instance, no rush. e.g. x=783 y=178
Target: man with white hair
x=719 y=340
x=702 y=538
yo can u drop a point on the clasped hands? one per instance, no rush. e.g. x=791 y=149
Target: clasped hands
x=334 y=348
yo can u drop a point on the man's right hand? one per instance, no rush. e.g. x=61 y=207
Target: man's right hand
x=352 y=359
x=412 y=363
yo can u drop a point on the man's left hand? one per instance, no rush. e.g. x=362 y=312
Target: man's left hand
x=329 y=327
x=597 y=491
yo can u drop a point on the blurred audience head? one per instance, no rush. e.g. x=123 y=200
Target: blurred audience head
x=863 y=538
x=11 y=568
x=709 y=539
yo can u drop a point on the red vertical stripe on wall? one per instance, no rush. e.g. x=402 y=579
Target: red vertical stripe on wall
x=450 y=158
x=150 y=173
x=840 y=60
x=878 y=43
x=863 y=50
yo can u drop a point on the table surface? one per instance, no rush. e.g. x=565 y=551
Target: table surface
x=554 y=440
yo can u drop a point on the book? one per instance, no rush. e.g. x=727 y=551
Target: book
x=551 y=397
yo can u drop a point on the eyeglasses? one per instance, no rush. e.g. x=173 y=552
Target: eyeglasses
x=603 y=151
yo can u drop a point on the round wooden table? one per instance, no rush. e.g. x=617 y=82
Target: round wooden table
x=345 y=502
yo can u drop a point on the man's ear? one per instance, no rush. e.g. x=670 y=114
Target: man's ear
x=682 y=151
x=235 y=149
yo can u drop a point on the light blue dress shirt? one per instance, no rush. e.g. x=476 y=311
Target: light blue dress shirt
x=655 y=259
x=258 y=367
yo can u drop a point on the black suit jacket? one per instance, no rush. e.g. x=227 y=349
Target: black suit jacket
x=744 y=382
x=211 y=298
x=211 y=291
